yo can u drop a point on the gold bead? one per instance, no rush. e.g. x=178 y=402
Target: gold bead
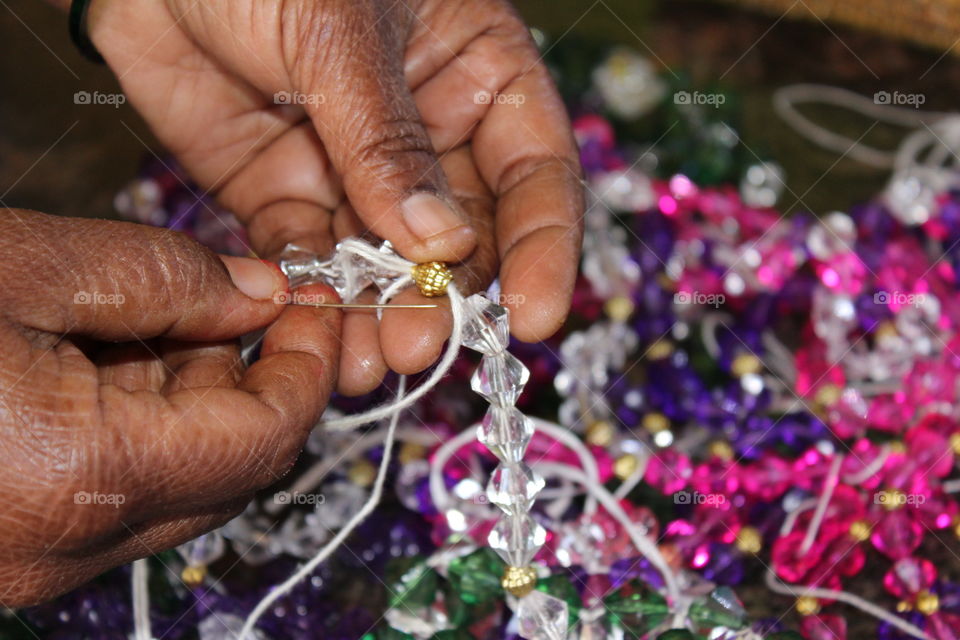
x=860 y=530
x=362 y=473
x=660 y=349
x=599 y=433
x=619 y=308
x=904 y=606
x=625 y=465
x=927 y=603
x=745 y=363
x=892 y=499
x=827 y=395
x=956 y=526
x=721 y=449
x=808 y=606
x=193 y=575
x=655 y=422
x=749 y=540
x=955 y=443
x=432 y=278
x=897 y=446
x=519 y=580
x=886 y=329
x=410 y=452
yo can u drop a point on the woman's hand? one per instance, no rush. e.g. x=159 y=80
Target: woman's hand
x=128 y=423
x=430 y=123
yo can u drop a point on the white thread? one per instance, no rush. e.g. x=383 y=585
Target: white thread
x=829 y=484
x=141 y=600
x=875 y=466
x=337 y=540
x=440 y=370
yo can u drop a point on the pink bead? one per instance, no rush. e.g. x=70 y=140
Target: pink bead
x=930 y=451
x=909 y=576
x=789 y=562
x=768 y=478
x=943 y=626
x=668 y=471
x=825 y=626
x=897 y=534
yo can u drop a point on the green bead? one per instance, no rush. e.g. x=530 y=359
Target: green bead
x=559 y=586
x=476 y=576
x=636 y=608
x=452 y=634
x=411 y=583
x=720 y=609
x=677 y=634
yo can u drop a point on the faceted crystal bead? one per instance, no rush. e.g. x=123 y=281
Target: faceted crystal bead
x=204 y=550
x=302 y=266
x=722 y=608
x=517 y=540
x=506 y=432
x=487 y=326
x=500 y=379
x=542 y=617
x=225 y=626
x=514 y=487
x=475 y=577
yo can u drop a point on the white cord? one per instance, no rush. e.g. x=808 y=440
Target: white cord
x=141 y=600
x=337 y=540
x=829 y=484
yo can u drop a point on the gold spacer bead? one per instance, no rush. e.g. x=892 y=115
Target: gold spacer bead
x=193 y=575
x=827 y=395
x=745 y=363
x=886 y=329
x=808 y=606
x=897 y=446
x=410 y=452
x=860 y=530
x=893 y=499
x=955 y=443
x=660 y=349
x=956 y=526
x=362 y=473
x=625 y=465
x=721 y=449
x=749 y=540
x=928 y=603
x=904 y=606
x=432 y=278
x=655 y=422
x=599 y=433
x=619 y=308
x=519 y=581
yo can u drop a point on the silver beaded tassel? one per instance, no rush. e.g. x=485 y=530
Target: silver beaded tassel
x=513 y=487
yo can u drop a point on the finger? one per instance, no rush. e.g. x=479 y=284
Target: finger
x=121 y=281
x=203 y=445
x=130 y=366
x=528 y=156
x=373 y=133
x=362 y=366
x=188 y=365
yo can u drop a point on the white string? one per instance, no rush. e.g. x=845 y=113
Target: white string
x=786 y=98
x=875 y=465
x=828 y=486
x=337 y=540
x=141 y=600
x=440 y=370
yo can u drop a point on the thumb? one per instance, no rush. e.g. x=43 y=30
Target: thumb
x=121 y=281
x=375 y=138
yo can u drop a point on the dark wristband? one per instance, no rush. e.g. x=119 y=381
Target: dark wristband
x=78 y=30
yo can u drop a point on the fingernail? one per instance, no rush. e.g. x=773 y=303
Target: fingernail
x=427 y=215
x=257 y=279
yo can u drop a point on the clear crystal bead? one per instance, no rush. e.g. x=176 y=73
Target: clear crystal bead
x=225 y=626
x=517 y=540
x=203 y=551
x=500 y=379
x=514 y=487
x=542 y=617
x=506 y=432
x=487 y=326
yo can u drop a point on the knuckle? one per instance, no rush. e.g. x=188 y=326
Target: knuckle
x=396 y=148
